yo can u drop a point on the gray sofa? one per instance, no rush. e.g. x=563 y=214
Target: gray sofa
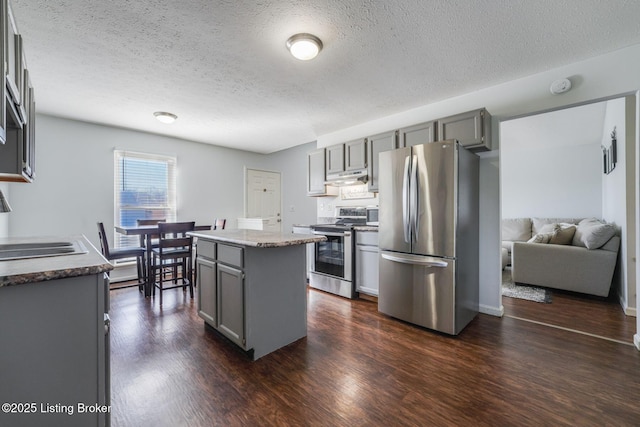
x=574 y=254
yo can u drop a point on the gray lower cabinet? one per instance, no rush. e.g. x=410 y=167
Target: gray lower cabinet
x=254 y=296
x=310 y=247
x=207 y=290
x=377 y=144
x=472 y=129
x=231 y=303
x=55 y=352
x=367 y=262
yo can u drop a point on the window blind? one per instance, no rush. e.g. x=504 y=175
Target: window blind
x=145 y=188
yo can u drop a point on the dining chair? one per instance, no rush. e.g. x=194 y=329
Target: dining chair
x=175 y=250
x=154 y=237
x=112 y=254
x=219 y=224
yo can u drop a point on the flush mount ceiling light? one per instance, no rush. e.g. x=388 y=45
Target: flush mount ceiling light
x=560 y=86
x=165 y=117
x=304 y=46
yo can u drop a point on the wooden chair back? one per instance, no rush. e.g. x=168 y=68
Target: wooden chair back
x=174 y=239
x=104 y=243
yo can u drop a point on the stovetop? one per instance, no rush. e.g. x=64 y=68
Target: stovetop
x=343 y=224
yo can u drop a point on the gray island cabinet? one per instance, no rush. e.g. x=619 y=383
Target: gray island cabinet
x=251 y=286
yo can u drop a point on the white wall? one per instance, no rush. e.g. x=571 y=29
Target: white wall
x=297 y=207
x=611 y=74
x=551 y=164
x=614 y=199
x=74 y=185
x=4 y=217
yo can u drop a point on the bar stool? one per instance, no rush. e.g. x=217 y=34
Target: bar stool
x=174 y=250
x=121 y=253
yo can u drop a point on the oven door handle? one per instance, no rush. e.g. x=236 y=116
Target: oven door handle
x=328 y=233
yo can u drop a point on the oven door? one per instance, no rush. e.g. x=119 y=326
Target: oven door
x=332 y=257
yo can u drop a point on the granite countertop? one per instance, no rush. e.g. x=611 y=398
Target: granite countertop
x=20 y=271
x=365 y=228
x=258 y=238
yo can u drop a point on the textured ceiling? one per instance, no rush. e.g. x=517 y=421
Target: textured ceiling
x=223 y=68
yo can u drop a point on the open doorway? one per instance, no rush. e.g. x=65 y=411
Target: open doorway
x=552 y=166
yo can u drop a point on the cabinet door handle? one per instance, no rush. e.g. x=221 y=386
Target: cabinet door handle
x=107 y=323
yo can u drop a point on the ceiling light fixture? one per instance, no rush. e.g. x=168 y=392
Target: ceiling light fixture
x=165 y=117
x=304 y=46
x=560 y=86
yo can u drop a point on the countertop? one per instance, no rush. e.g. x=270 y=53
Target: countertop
x=258 y=238
x=365 y=228
x=355 y=227
x=17 y=272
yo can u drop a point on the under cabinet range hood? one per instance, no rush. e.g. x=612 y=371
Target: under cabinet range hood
x=342 y=179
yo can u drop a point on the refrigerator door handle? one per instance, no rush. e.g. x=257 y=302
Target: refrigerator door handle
x=414 y=199
x=415 y=260
x=406 y=209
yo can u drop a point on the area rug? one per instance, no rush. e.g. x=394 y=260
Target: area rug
x=530 y=293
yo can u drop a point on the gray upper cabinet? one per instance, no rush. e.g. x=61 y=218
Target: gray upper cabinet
x=334 y=159
x=472 y=129
x=14 y=60
x=316 y=173
x=355 y=154
x=17 y=106
x=377 y=144
x=418 y=134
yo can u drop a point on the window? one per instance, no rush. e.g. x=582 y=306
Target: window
x=145 y=188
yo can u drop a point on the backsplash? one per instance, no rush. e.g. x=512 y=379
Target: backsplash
x=354 y=195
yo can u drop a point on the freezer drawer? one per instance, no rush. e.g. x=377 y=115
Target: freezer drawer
x=419 y=290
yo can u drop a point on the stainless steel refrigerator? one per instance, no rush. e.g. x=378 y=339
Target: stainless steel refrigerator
x=428 y=235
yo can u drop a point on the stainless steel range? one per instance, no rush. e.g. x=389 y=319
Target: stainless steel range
x=333 y=269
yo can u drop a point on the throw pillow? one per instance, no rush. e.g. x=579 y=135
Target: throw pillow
x=516 y=229
x=540 y=238
x=548 y=228
x=563 y=235
x=593 y=234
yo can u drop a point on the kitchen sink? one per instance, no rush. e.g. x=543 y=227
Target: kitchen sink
x=13 y=251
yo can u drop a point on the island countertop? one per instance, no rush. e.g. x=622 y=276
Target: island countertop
x=258 y=238
x=20 y=271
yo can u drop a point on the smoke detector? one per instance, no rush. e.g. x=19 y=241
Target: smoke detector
x=560 y=86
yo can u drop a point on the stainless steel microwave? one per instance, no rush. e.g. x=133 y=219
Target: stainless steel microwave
x=372 y=215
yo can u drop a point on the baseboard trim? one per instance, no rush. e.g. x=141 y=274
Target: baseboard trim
x=636 y=341
x=631 y=311
x=492 y=311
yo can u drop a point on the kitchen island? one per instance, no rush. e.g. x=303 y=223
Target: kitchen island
x=251 y=286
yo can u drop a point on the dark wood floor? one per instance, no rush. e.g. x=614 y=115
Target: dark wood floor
x=589 y=314
x=357 y=367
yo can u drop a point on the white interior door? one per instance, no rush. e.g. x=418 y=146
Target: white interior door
x=263 y=198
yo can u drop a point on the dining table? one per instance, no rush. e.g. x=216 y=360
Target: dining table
x=148 y=231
